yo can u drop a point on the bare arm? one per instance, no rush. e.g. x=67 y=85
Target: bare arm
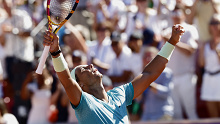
x=214 y=6
x=55 y=96
x=71 y=87
x=201 y=60
x=59 y=94
x=2 y=39
x=100 y=64
x=153 y=70
x=185 y=48
x=77 y=38
x=25 y=93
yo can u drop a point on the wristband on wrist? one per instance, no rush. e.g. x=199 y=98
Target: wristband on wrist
x=59 y=63
x=56 y=53
x=166 y=51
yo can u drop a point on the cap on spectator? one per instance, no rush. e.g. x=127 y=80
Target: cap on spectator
x=136 y=35
x=148 y=37
x=115 y=36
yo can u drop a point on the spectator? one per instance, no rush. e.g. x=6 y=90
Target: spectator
x=112 y=12
x=209 y=7
x=158 y=104
x=209 y=58
x=19 y=52
x=184 y=76
x=135 y=43
x=37 y=88
x=136 y=20
x=73 y=38
x=120 y=71
x=161 y=20
x=99 y=49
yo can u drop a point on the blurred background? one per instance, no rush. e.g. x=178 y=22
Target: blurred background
x=119 y=37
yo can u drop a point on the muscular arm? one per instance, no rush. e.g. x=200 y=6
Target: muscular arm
x=201 y=59
x=153 y=70
x=25 y=92
x=71 y=87
x=185 y=48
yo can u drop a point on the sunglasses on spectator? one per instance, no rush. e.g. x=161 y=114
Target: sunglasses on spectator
x=214 y=23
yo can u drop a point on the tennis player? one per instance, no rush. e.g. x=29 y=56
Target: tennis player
x=92 y=104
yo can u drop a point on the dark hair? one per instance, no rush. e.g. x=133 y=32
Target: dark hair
x=215 y=19
x=77 y=79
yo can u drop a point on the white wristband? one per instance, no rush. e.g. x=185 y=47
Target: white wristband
x=166 y=51
x=59 y=63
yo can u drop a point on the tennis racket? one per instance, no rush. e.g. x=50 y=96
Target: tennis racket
x=58 y=12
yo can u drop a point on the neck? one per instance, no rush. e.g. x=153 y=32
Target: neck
x=97 y=91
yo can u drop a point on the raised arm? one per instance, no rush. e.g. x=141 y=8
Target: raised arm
x=153 y=70
x=72 y=88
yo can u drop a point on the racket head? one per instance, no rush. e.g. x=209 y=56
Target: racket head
x=59 y=11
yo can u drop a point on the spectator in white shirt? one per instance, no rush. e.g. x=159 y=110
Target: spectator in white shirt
x=120 y=71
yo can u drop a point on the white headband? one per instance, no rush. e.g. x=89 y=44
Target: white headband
x=73 y=75
x=73 y=72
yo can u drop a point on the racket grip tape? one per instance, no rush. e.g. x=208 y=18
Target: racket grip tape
x=43 y=59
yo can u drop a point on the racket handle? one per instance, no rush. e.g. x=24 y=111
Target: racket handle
x=43 y=59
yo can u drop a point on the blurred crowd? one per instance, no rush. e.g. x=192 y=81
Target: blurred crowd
x=119 y=37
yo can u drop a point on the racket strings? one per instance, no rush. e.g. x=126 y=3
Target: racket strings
x=59 y=9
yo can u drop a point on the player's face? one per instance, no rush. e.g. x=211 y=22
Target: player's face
x=87 y=73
